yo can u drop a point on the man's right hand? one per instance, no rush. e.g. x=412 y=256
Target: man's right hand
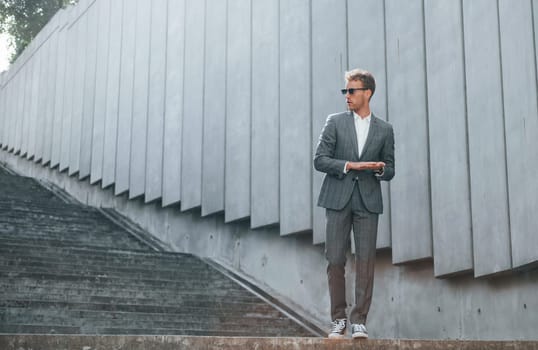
x=364 y=166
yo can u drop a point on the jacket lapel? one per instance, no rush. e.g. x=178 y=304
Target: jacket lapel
x=352 y=134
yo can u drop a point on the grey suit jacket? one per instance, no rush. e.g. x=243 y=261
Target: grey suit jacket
x=338 y=144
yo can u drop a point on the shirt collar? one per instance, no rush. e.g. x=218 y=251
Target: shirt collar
x=367 y=119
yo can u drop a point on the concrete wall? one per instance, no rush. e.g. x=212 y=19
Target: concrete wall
x=208 y=112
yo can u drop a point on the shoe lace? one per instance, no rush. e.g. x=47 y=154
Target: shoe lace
x=360 y=328
x=338 y=325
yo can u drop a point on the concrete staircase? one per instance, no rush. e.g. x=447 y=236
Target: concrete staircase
x=66 y=268
x=72 y=278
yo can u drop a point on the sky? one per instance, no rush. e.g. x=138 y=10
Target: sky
x=5 y=52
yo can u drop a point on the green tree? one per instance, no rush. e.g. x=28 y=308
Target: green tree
x=23 y=19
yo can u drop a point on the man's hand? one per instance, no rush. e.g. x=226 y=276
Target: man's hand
x=365 y=166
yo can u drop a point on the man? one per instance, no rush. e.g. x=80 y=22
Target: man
x=356 y=152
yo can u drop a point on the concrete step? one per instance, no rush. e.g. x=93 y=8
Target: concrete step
x=112 y=331
x=173 y=297
x=91 y=323
x=10 y=290
x=94 y=271
x=203 y=307
x=16 y=249
x=88 y=323
x=24 y=286
x=10 y=315
x=27 y=248
x=90 y=241
x=50 y=237
x=130 y=283
x=161 y=342
x=89 y=264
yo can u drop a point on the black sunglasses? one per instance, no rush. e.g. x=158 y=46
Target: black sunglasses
x=352 y=90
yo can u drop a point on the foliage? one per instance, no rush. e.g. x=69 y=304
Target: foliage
x=21 y=20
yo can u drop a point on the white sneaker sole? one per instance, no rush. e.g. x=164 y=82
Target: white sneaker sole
x=359 y=335
x=336 y=336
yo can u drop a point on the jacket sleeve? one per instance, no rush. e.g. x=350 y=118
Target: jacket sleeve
x=387 y=155
x=324 y=160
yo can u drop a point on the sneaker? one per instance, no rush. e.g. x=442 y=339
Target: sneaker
x=338 y=329
x=358 y=331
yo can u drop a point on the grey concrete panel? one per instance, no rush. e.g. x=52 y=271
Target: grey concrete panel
x=7 y=91
x=534 y=5
x=175 y=51
x=265 y=113
x=329 y=62
x=18 y=100
x=295 y=118
x=23 y=126
x=28 y=66
x=6 y=112
x=11 y=86
x=18 y=103
x=487 y=153
x=521 y=126
x=193 y=102
x=238 y=110
x=10 y=106
x=123 y=147
x=69 y=81
x=366 y=44
x=407 y=101
x=4 y=109
x=213 y=149
x=18 y=109
x=44 y=88
x=10 y=135
x=39 y=58
x=29 y=127
x=80 y=29
x=48 y=89
x=9 y=131
x=18 y=78
x=112 y=93
x=447 y=122
x=32 y=117
x=24 y=79
x=100 y=98
x=41 y=92
x=51 y=81
x=88 y=103
x=137 y=171
x=60 y=88
x=157 y=80
x=10 y=122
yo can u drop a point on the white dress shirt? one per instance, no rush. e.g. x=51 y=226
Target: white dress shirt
x=362 y=126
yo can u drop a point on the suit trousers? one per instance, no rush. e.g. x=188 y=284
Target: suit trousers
x=339 y=223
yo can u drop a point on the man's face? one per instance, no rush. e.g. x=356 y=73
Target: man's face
x=359 y=98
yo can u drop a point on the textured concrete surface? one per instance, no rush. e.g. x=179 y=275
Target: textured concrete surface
x=59 y=342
